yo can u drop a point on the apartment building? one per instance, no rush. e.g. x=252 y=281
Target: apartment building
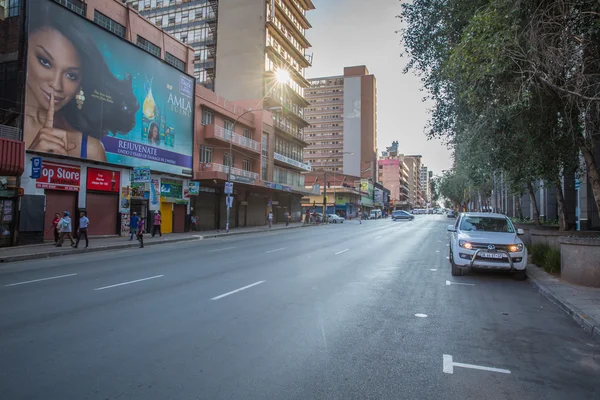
x=424 y=182
x=193 y=22
x=343 y=116
x=415 y=195
x=393 y=175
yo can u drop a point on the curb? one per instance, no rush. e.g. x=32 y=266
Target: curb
x=70 y=251
x=589 y=325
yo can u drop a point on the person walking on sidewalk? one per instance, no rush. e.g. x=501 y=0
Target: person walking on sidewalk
x=65 y=228
x=270 y=219
x=140 y=232
x=84 y=222
x=157 y=223
x=286 y=215
x=133 y=224
x=55 y=222
x=193 y=221
x=307 y=218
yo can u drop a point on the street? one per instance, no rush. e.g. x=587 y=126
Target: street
x=344 y=311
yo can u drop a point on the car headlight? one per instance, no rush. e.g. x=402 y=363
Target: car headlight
x=515 y=248
x=464 y=244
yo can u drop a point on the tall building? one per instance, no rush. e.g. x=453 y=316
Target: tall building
x=393 y=174
x=415 y=195
x=343 y=116
x=193 y=22
x=424 y=181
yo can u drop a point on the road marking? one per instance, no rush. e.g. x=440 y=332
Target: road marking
x=340 y=252
x=273 y=251
x=223 y=249
x=237 y=290
x=447 y=258
x=448 y=283
x=421 y=315
x=447 y=245
x=130 y=282
x=39 y=280
x=433 y=269
x=378 y=237
x=448 y=366
x=437 y=251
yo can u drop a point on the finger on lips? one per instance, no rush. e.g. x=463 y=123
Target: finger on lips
x=50 y=114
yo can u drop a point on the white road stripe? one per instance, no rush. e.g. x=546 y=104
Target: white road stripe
x=340 y=252
x=449 y=364
x=273 y=251
x=378 y=237
x=223 y=249
x=237 y=290
x=130 y=282
x=39 y=280
x=448 y=283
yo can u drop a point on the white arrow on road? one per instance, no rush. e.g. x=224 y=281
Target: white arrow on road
x=448 y=283
x=448 y=366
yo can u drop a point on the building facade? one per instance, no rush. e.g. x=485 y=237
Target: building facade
x=193 y=22
x=393 y=175
x=415 y=194
x=424 y=182
x=343 y=116
x=122 y=111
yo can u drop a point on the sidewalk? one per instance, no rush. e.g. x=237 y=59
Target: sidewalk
x=580 y=302
x=31 y=252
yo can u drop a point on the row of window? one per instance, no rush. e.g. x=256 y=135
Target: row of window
x=288 y=35
x=271 y=41
x=334 y=116
x=323 y=91
x=271 y=66
x=288 y=149
x=206 y=156
x=326 y=82
x=323 y=108
x=288 y=177
x=289 y=14
x=166 y=18
x=314 y=101
x=119 y=30
x=311 y=135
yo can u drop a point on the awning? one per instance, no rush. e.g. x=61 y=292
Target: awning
x=12 y=157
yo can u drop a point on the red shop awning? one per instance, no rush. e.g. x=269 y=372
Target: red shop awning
x=12 y=157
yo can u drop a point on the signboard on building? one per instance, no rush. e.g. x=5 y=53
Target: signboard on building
x=278 y=186
x=171 y=188
x=287 y=160
x=154 y=194
x=241 y=179
x=228 y=188
x=104 y=180
x=141 y=175
x=124 y=105
x=36 y=167
x=59 y=176
x=194 y=188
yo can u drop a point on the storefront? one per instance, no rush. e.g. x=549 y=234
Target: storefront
x=102 y=201
x=205 y=207
x=8 y=207
x=173 y=207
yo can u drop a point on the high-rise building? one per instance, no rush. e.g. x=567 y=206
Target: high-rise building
x=425 y=191
x=415 y=195
x=343 y=116
x=193 y=22
x=393 y=174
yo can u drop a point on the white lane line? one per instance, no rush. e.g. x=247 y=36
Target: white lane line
x=237 y=290
x=340 y=252
x=223 y=249
x=130 y=282
x=437 y=251
x=448 y=366
x=273 y=251
x=378 y=237
x=448 y=283
x=433 y=269
x=39 y=280
x=421 y=315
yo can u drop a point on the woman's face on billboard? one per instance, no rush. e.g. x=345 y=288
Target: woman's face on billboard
x=53 y=66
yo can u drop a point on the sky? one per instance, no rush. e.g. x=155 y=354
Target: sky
x=362 y=32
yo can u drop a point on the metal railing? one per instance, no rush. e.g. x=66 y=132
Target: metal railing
x=235 y=171
x=237 y=139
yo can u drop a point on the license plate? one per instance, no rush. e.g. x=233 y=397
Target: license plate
x=491 y=255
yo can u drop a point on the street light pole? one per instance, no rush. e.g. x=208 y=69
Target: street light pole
x=231 y=133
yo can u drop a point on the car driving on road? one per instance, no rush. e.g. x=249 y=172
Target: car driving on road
x=486 y=241
x=334 y=219
x=400 y=214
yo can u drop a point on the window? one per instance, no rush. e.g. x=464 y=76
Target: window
x=148 y=46
x=109 y=24
x=247 y=164
x=74 y=5
x=14 y=8
x=228 y=125
x=228 y=159
x=247 y=133
x=207 y=117
x=205 y=154
x=174 y=61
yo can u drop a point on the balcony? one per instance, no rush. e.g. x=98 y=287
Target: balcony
x=214 y=167
x=288 y=131
x=291 y=162
x=220 y=133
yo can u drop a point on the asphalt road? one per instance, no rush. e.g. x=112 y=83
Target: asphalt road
x=324 y=312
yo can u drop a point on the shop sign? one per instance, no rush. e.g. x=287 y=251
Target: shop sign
x=277 y=186
x=103 y=180
x=36 y=167
x=228 y=187
x=290 y=161
x=59 y=176
x=241 y=179
x=193 y=188
x=140 y=190
x=141 y=174
x=171 y=188
x=154 y=194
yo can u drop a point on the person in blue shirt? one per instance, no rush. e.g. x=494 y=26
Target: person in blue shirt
x=133 y=224
x=84 y=222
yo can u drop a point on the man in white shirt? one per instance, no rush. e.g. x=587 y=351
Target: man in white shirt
x=84 y=222
x=270 y=218
x=65 y=228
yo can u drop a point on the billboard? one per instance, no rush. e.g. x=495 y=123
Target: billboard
x=59 y=176
x=91 y=95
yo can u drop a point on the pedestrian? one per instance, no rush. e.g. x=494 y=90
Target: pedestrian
x=84 y=222
x=287 y=218
x=133 y=224
x=193 y=223
x=140 y=232
x=270 y=218
x=307 y=217
x=55 y=222
x=65 y=228
x=157 y=223
x=360 y=218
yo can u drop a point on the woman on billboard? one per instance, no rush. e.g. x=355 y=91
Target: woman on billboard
x=72 y=97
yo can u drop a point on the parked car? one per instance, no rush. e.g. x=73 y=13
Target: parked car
x=375 y=214
x=451 y=214
x=486 y=241
x=334 y=219
x=400 y=214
